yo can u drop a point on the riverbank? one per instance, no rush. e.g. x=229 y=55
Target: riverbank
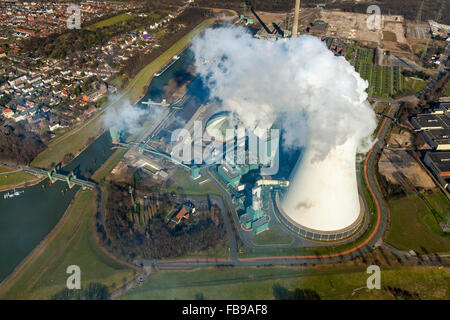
x=78 y=138
x=29 y=180
x=72 y=242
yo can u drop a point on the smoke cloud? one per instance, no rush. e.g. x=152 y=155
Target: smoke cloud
x=127 y=117
x=320 y=98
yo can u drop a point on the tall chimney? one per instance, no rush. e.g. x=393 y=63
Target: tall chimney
x=295 y=26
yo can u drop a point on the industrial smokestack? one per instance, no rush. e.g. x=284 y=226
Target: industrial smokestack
x=295 y=25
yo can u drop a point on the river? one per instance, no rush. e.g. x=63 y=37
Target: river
x=25 y=220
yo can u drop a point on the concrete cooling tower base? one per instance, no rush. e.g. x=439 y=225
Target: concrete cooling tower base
x=315 y=234
x=323 y=202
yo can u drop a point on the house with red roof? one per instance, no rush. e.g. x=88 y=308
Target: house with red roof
x=8 y=113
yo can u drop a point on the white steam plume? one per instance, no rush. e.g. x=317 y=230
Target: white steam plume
x=322 y=104
x=126 y=117
x=298 y=79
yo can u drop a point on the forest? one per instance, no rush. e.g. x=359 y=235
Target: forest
x=131 y=232
x=190 y=18
x=18 y=145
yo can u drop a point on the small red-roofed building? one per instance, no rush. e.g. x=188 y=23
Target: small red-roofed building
x=8 y=113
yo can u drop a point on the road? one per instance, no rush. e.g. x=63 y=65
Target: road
x=41 y=172
x=374 y=239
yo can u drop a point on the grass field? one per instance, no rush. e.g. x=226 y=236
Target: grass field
x=382 y=80
x=9 y=180
x=109 y=165
x=4 y=169
x=71 y=242
x=275 y=235
x=415 y=84
x=109 y=22
x=414 y=223
x=329 y=282
x=76 y=139
x=184 y=184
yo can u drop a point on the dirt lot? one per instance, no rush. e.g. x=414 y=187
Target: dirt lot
x=350 y=25
x=354 y=26
x=399 y=167
x=394 y=24
x=419 y=31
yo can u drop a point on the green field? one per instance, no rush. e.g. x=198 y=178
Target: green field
x=71 y=242
x=8 y=180
x=184 y=184
x=109 y=165
x=76 y=139
x=329 y=282
x=399 y=80
x=5 y=169
x=383 y=81
x=275 y=235
x=415 y=223
x=415 y=84
x=109 y=22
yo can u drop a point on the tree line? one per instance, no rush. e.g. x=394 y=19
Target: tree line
x=129 y=237
x=190 y=18
x=18 y=145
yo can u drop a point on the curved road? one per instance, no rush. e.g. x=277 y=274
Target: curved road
x=374 y=239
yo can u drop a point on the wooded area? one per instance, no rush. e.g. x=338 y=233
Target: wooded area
x=189 y=19
x=18 y=145
x=130 y=236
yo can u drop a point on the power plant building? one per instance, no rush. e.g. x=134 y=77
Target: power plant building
x=254 y=218
x=115 y=135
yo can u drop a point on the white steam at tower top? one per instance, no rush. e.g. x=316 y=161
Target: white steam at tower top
x=299 y=79
x=320 y=99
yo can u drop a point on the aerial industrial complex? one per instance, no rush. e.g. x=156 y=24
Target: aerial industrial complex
x=283 y=146
x=229 y=157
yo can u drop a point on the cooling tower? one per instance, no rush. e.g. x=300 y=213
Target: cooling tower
x=323 y=195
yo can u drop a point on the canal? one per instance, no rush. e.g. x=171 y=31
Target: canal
x=25 y=220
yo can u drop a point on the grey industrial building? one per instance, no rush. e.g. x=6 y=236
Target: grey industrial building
x=439 y=164
x=435 y=126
